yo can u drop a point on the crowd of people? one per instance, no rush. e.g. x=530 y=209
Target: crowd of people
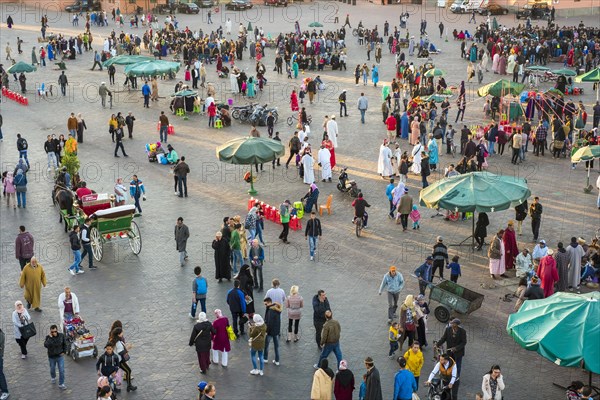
x=238 y=246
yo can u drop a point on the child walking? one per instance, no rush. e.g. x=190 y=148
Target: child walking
x=415 y=217
x=362 y=392
x=199 y=290
x=393 y=336
x=454 y=267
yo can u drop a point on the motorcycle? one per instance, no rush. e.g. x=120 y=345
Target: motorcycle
x=242 y=112
x=346 y=185
x=260 y=113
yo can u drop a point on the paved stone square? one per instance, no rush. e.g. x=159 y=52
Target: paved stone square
x=150 y=292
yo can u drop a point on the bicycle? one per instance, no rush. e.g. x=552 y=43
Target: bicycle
x=359 y=226
x=290 y=120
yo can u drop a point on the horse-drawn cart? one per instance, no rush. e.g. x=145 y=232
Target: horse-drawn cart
x=113 y=224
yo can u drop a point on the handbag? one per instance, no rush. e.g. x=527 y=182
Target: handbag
x=230 y=334
x=124 y=355
x=28 y=331
x=410 y=326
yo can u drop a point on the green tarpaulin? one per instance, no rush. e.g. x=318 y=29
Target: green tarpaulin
x=501 y=88
x=20 y=67
x=126 y=60
x=152 y=68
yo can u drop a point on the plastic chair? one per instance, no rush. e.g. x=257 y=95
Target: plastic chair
x=218 y=124
x=197 y=109
x=326 y=206
x=180 y=112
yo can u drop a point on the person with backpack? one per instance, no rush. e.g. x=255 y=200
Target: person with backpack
x=182 y=233
x=199 y=291
x=20 y=183
x=22 y=146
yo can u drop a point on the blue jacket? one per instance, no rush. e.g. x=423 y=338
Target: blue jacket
x=236 y=303
x=394 y=284
x=424 y=272
x=136 y=189
x=404 y=385
x=146 y=90
x=454 y=268
x=388 y=191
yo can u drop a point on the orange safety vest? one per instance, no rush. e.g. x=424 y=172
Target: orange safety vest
x=446 y=373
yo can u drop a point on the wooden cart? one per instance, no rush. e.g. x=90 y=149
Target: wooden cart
x=453 y=297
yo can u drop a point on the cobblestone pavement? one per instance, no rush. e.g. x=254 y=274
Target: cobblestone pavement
x=150 y=293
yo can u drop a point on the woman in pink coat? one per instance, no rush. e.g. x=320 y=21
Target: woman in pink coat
x=9 y=189
x=220 y=339
x=548 y=273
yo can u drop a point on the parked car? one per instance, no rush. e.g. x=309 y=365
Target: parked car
x=493 y=9
x=188 y=8
x=276 y=3
x=238 y=5
x=83 y=5
x=164 y=9
x=534 y=11
x=205 y=3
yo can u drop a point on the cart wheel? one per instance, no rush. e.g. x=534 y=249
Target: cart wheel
x=442 y=314
x=96 y=239
x=75 y=355
x=95 y=353
x=135 y=238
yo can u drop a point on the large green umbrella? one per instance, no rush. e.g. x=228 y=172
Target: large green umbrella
x=475 y=191
x=586 y=153
x=592 y=76
x=126 y=59
x=437 y=98
x=315 y=25
x=249 y=151
x=563 y=328
x=20 y=67
x=185 y=93
x=537 y=68
x=565 y=72
x=501 y=88
x=434 y=72
x=554 y=92
x=152 y=68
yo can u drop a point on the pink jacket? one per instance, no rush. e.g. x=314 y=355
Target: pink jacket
x=9 y=187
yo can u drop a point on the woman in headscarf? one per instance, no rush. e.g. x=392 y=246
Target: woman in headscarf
x=562 y=266
x=511 y=250
x=329 y=146
x=344 y=382
x=416 y=157
x=258 y=332
x=222 y=260
x=247 y=285
x=433 y=152
x=34 y=60
x=496 y=255
x=322 y=382
x=415 y=131
x=220 y=339
x=80 y=127
x=201 y=338
x=548 y=273
x=20 y=318
x=502 y=64
x=294 y=101
x=154 y=87
x=397 y=193
x=408 y=321
x=495 y=60
x=311 y=198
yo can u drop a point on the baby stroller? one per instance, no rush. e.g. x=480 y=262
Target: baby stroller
x=437 y=391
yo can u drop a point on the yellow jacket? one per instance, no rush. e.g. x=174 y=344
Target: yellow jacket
x=414 y=362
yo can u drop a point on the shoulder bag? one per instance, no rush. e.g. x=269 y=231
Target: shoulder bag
x=28 y=331
x=230 y=334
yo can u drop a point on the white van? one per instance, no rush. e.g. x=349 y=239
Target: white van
x=466 y=6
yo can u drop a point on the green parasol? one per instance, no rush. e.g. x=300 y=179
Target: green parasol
x=20 y=67
x=185 y=93
x=315 y=25
x=126 y=59
x=565 y=72
x=537 y=68
x=249 y=151
x=152 y=68
x=586 y=153
x=592 y=76
x=475 y=191
x=437 y=98
x=434 y=72
x=563 y=328
x=501 y=88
